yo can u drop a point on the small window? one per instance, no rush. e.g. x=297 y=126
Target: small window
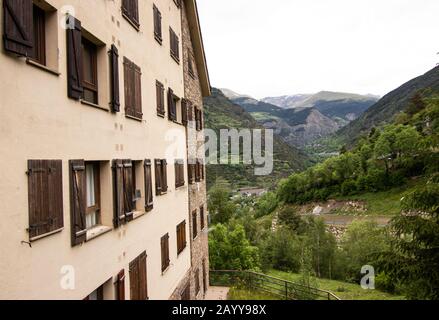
x=161 y=183
x=199 y=171
x=157 y=25
x=165 y=252
x=191 y=65
x=198 y=119
x=175 y=45
x=181 y=237
x=202 y=221
x=194 y=225
x=149 y=200
x=138 y=278
x=179 y=173
x=133 y=90
x=90 y=71
x=39 y=48
x=98 y=294
x=191 y=171
x=130 y=11
x=173 y=101
x=160 y=96
x=197 y=281
x=92 y=178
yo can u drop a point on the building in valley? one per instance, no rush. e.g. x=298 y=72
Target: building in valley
x=95 y=204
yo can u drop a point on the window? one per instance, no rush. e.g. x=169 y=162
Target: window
x=160 y=96
x=149 y=204
x=202 y=221
x=45 y=197
x=124 y=191
x=165 y=252
x=157 y=24
x=161 y=184
x=181 y=237
x=191 y=171
x=90 y=71
x=194 y=225
x=172 y=105
x=197 y=281
x=184 y=112
x=92 y=178
x=130 y=11
x=199 y=171
x=190 y=65
x=98 y=294
x=198 y=119
x=120 y=285
x=133 y=90
x=138 y=278
x=39 y=48
x=179 y=173
x=175 y=45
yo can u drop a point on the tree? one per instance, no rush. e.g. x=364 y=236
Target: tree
x=289 y=218
x=416 y=104
x=220 y=206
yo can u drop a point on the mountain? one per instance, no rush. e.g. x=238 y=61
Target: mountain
x=222 y=113
x=232 y=94
x=287 y=102
x=384 y=110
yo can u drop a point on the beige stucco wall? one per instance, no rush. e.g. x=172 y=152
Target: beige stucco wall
x=38 y=121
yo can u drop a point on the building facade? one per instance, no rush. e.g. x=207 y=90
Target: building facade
x=97 y=200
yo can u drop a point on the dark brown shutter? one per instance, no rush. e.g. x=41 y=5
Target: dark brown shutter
x=78 y=201
x=158 y=176
x=184 y=112
x=45 y=197
x=157 y=24
x=18 y=26
x=137 y=91
x=120 y=285
x=130 y=8
x=138 y=278
x=143 y=282
x=194 y=224
x=160 y=96
x=164 y=176
x=114 y=81
x=172 y=115
x=128 y=192
x=191 y=172
x=118 y=193
x=165 y=252
x=202 y=222
x=74 y=59
x=149 y=200
x=129 y=87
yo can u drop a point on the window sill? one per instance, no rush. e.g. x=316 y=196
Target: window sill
x=182 y=251
x=158 y=39
x=175 y=59
x=180 y=187
x=46 y=235
x=97 y=231
x=42 y=67
x=91 y=104
x=134 y=118
x=138 y=214
x=131 y=22
x=161 y=115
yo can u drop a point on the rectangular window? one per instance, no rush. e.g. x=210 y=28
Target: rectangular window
x=39 y=48
x=92 y=177
x=160 y=96
x=90 y=71
x=202 y=220
x=198 y=119
x=149 y=200
x=181 y=237
x=184 y=112
x=124 y=186
x=165 y=252
x=133 y=89
x=157 y=24
x=172 y=105
x=175 y=45
x=194 y=225
x=98 y=294
x=45 y=197
x=191 y=65
x=161 y=176
x=130 y=11
x=197 y=281
x=179 y=173
x=191 y=171
x=138 y=278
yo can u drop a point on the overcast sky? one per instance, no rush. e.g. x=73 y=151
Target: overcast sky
x=278 y=47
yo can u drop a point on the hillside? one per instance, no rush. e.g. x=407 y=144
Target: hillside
x=384 y=110
x=221 y=113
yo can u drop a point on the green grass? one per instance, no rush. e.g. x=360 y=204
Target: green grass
x=243 y=294
x=385 y=203
x=343 y=290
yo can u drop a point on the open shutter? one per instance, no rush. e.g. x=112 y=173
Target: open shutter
x=160 y=96
x=18 y=26
x=143 y=282
x=134 y=280
x=119 y=210
x=184 y=112
x=114 y=81
x=158 y=176
x=191 y=173
x=120 y=285
x=129 y=87
x=164 y=176
x=74 y=59
x=128 y=192
x=149 y=201
x=137 y=92
x=45 y=197
x=171 y=105
x=78 y=205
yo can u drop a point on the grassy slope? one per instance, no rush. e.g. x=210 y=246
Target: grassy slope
x=344 y=290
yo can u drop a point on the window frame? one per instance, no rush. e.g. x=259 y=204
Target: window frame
x=39 y=33
x=194 y=224
x=181 y=237
x=87 y=45
x=97 y=190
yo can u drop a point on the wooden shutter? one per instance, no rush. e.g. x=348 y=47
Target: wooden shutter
x=165 y=252
x=181 y=237
x=137 y=91
x=172 y=111
x=149 y=201
x=157 y=24
x=197 y=171
x=160 y=96
x=74 y=60
x=118 y=193
x=128 y=192
x=18 y=26
x=164 y=176
x=175 y=45
x=130 y=9
x=129 y=87
x=194 y=224
x=202 y=222
x=114 y=80
x=184 y=112
x=45 y=197
x=120 y=285
x=138 y=278
x=78 y=201
x=191 y=172
x=158 y=176
x=190 y=115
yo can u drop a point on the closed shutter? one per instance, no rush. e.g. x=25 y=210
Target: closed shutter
x=128 y=192
x=158 y=177
x=118 y=191
x=114 y=81
x=78 y=201
x=194 y=225
x=137 y=92
x=18 y=26
x=160 y=96
x=197 y=171
x=45 y=197
x=203 y=168
x=138 y=278
x=181 y=237
x=184 y=112
x=129 y=87
x=143 y=281
x=74 y=60
x=157 y=24
x=130 y=9
x=172 y=112
x=175 y=45
x=120 y=285
x=164 y=176
x=191 y=172
x=165 y=252
x=202 y=223
x=149 y=201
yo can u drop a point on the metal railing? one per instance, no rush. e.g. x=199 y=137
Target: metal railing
x=283 y=289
